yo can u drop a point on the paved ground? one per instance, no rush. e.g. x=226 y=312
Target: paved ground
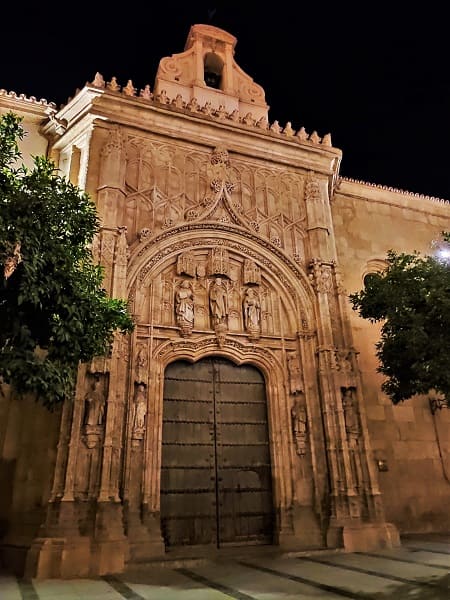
x=418 y=570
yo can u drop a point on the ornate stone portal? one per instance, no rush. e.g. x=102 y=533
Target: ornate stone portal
x=220 y=253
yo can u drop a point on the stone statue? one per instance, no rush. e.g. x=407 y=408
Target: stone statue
x=140 y=410
x=295 y=375
x=218 y=301
x=94 y=404
x=252 y=309
x=350 y=413
x=299 y=427
x=184 y=304
x=141 y=364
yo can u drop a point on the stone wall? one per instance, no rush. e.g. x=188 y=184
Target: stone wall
x=414 y=444
x=28 y=441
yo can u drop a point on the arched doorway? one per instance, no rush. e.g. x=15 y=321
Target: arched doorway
x=216 y=479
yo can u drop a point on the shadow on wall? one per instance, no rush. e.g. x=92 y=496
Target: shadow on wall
x=7 y=470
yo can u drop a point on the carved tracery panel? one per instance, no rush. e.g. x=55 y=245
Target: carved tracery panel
x=171 y=184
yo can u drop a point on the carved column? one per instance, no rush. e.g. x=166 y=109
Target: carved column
x=143 y=532
x=344 y=507
x=111 y=181
x=349 y=458
x=319 y=221
x=227 y=74
x=314 y=511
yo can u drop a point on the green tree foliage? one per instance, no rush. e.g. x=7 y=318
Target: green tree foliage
x=53 y=310
x=412 y=299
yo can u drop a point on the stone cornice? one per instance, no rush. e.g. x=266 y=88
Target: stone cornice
x=26 y=104
x=177 y=105
x=345 y=184
x=182 y=124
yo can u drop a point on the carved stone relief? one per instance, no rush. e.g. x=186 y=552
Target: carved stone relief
x=350 y=413
x=252 y=312
x=252 y=273
x=321 y=276
x=141 y=369
x=299 y=425
x=295 y=374
x=275 y=316
x=186 y=264
x=139 y=412
x=218 y=302
x=185 y=307
x=121 y=254
x=219 y=263
x=168 y=185
x=94 y=411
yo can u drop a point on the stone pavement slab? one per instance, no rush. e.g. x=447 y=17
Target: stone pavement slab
x=419 y=570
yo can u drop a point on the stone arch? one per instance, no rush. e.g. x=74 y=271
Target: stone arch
x=154 y=262
x=213 y=67
x=374 y=266
x=146 y=259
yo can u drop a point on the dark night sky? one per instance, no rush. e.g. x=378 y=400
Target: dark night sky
x=377 y=80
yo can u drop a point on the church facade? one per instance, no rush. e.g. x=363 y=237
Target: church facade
x=245 y=408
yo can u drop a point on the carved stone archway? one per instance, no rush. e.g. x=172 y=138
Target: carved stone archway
x=192 y=254
x=278 y=417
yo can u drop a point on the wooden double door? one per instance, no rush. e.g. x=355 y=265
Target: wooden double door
x=216 y=478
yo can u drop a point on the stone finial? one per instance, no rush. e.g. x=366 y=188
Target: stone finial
x=162 y=97
x=129 y=89
x=113 y=85
x=275 y=127
x=221 y=113
x=262 y=123
x=301 y=135
x=98 y=81
x=192 y=105
x=326 y=140
x=178 y=101
x=314 y=138
x=288 y=129
x=207 y=108
x=248 y=119
x=146 y=93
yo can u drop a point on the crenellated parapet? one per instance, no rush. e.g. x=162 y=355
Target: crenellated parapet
x=387 y=188
x=14 y=101
x=206 y=111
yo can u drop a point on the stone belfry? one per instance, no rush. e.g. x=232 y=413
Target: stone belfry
x=234 y=413
x=207 y=71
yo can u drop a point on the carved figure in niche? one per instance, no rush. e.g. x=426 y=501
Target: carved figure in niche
x=144 y=234
x=218 y=301
x=184 y=304
x=295 y=374
x=252 y=309
x=219 y=262
x=140 y=408
x=186 y=264
x=325 y=282
x=299 y=426
x=141 y=364
x=94 y=403
x=343 y=360
x=350 y=412
x=219 y=173
x=252 y=273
